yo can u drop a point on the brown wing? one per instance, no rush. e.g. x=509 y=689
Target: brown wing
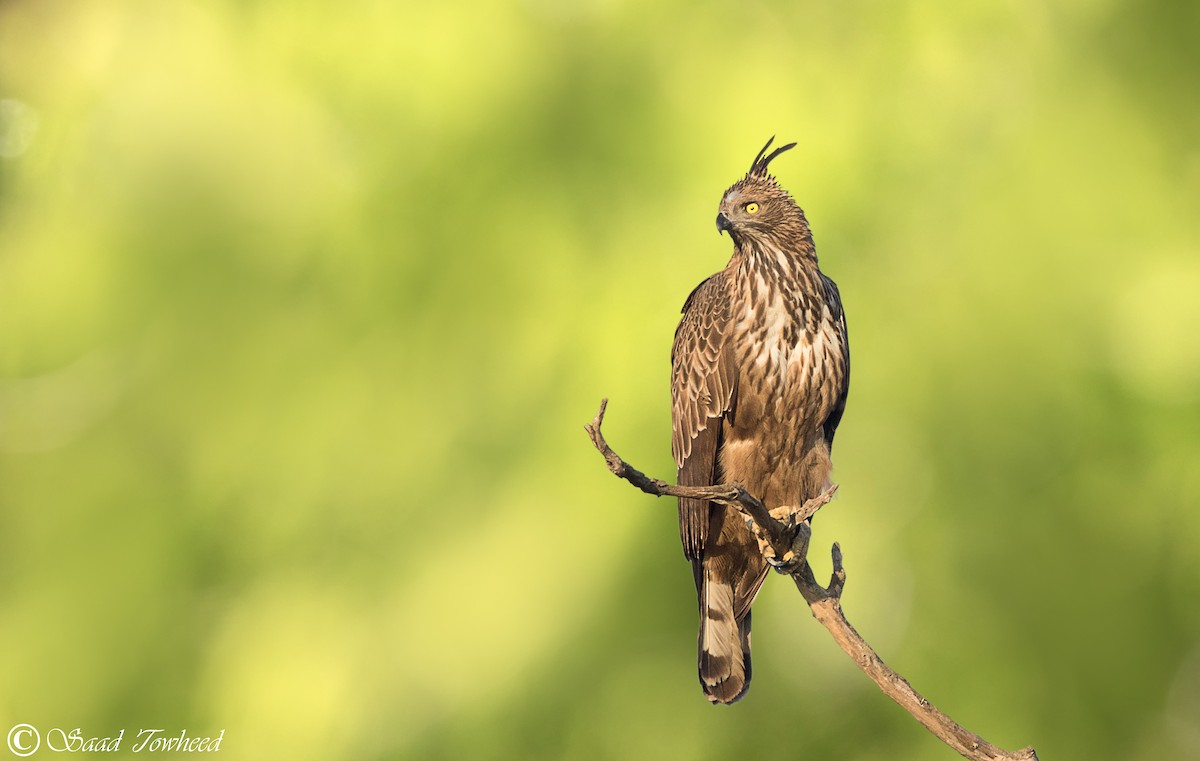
x=703 y=381
x=834 y=299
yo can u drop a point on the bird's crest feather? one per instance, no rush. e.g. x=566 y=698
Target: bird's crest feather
x=759 y=167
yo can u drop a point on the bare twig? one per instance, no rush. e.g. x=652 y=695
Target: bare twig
x=732 y=494
x=789 y=541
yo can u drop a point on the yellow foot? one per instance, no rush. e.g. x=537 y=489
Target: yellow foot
x=786 y=515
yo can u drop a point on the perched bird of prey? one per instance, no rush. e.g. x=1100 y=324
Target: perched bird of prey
x=760 y=369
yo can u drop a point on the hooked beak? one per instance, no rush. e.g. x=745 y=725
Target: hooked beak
x=723 y=223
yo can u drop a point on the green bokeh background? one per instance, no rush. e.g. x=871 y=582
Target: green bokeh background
x=303 y=307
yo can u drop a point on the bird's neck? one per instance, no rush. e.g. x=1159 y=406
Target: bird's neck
x=773 y=265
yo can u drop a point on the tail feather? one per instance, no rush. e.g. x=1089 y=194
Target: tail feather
x=724 y=643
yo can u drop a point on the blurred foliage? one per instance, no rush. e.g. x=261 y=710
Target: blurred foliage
x=303 y=306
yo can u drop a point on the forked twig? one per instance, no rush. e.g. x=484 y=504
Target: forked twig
x=789 y=543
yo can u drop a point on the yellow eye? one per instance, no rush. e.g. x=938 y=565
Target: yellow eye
x=751 y=208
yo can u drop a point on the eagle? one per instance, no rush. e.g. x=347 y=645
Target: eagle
x=760 y=370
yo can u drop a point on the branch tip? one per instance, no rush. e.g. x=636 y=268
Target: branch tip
x=837 y=582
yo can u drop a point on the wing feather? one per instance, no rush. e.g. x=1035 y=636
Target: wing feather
x=703 y=386
x=834 y=299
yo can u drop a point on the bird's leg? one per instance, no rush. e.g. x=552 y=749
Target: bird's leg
x=764 y=542
x=797 y=533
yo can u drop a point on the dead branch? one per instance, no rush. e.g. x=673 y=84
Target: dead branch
x=786 y=546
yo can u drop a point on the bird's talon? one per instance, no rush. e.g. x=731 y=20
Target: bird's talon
x=785 y=565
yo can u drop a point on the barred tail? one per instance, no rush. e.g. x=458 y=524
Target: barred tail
x=724 y=642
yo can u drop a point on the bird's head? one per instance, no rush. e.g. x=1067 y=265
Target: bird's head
x=756 y=208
